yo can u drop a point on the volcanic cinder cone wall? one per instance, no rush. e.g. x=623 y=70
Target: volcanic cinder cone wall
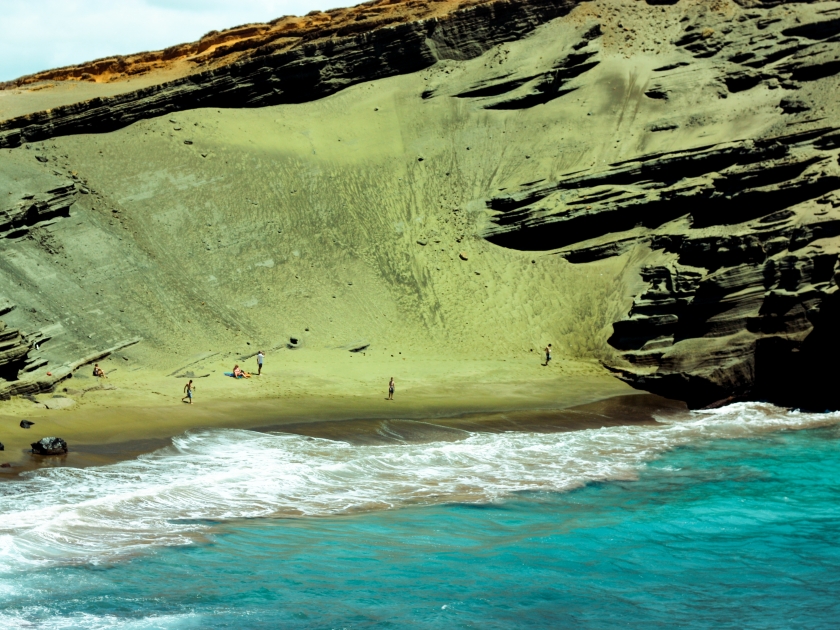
x=652 y=185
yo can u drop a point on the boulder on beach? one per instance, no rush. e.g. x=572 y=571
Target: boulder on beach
x=49 y=446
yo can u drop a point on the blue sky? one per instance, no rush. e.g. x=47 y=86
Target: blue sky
x=41 y=34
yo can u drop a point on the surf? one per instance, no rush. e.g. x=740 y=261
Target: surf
x=176 y=495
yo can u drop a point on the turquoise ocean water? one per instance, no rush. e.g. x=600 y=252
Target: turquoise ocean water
x=725 y=519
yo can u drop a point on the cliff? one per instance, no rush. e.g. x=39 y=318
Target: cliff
x=740 y=281
x=652 y=185
x=291 y=63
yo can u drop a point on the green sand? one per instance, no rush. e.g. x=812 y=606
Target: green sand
x=355 y=221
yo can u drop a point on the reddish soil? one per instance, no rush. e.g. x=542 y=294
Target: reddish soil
x=224 y=47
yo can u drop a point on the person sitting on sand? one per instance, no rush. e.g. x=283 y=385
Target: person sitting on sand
x=391 y=389
x=237 y=372
x=189 y=388
x=97 y=371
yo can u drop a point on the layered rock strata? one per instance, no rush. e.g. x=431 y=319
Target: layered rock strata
x=736 y=243
x=218 y=48
x=307 y=72
x=744 y=263
x=13 y=350
x=36 y=209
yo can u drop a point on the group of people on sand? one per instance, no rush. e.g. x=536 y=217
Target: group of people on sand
x=238 y=372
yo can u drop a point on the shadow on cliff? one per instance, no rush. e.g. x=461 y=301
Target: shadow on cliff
x=804 y=374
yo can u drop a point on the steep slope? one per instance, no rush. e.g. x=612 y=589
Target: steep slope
x=650 y=185
x=320 y=61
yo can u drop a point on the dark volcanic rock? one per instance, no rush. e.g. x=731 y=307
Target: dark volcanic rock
x=737 y=243
x=49 y=446
x=742 y=297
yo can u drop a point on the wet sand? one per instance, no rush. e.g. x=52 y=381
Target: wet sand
x=632 y=409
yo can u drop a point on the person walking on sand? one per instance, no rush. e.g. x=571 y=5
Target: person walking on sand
x=260 y=357
x=189 y=388
x=390 y=389
x=547 y=354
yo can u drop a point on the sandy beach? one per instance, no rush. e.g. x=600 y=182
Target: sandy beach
x=330 y=395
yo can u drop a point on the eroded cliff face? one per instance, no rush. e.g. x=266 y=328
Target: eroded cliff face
x=742 y=267
x=240 y=43
x=739 y=240
x=650 y=184
x=307 y=68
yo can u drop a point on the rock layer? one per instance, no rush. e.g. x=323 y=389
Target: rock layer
x=13 y=350
x=36 y=209
x=220 y=48
x=741 y=276
x=745 y=237
x=305 y=73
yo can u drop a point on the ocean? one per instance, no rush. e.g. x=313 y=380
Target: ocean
x=716 y=519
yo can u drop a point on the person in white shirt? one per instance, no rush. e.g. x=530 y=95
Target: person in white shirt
x=260 y=357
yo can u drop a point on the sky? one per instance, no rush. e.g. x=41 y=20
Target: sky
x=38 y=35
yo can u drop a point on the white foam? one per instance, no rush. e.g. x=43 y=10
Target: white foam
x=103 y=622
x=95 y=515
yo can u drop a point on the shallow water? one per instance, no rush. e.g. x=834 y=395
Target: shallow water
x=719 y=519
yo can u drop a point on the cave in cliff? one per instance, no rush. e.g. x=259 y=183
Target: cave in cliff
x=653 y=185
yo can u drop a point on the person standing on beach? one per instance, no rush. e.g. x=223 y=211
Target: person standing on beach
x=547 y=354
x=391 y=389
x=260 y=357
x=189 y=388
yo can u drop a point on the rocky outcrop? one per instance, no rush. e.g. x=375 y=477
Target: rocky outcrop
x=14 y=348
x=723 y=185
x=525 y=90
x=743 y=274
x=737 y=244
x=36 y=209
x=218 y=48
x=16 y=360
x=49 y=446
x=309 y=71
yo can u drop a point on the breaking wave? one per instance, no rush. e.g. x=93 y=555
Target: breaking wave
x=175 y=495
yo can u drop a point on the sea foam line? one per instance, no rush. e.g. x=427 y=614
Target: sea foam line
x=96 y=515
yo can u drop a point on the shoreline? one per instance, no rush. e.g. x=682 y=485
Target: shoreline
x=101 y=434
